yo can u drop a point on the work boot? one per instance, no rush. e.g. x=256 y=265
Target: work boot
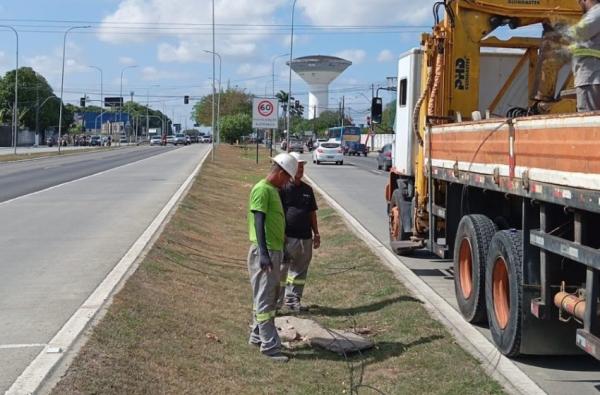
x=277 y=357
x=298 y=308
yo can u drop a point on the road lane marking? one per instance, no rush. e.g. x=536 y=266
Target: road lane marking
x=15 y=346
x=40 y=368
x=513 y=379
x=79 y=179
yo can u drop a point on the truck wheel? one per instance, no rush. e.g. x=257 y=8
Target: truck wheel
x=503 y=291
x=396 y=230
x=471 y=247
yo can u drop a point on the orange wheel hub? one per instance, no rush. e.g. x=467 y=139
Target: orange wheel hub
x=501 y=292
x=465 y=268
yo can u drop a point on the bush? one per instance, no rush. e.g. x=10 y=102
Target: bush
x=233 y=127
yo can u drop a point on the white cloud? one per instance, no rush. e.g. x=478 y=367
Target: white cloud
x=126 y=61
x=184 y=27
x=151 y=73
x=250 y=70
x=356 y=56
x=361 y=12
x=385 y=56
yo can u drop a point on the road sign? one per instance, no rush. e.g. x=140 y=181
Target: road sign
x=264 y=114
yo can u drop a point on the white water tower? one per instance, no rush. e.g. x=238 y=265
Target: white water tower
x=318 y=72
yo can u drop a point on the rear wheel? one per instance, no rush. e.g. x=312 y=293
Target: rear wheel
x=341 y=162
x=503 y=290
x=378 y=166
x=471 y=247
x=318 y=162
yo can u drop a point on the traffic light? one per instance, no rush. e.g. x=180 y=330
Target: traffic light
x=82 y=102
x=186 y=99
x=296 y=104
x=376 y=109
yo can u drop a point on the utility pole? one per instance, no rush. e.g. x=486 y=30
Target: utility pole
x=37 y=114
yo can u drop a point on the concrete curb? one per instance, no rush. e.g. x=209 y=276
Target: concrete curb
x=501 y=368
x=42 y=366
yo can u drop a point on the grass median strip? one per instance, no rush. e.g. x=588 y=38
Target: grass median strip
x=180 y=324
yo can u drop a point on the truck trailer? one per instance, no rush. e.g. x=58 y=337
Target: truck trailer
x=494 y=168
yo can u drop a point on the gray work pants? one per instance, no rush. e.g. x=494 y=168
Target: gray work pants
x=588 y=98
x=264 y=293
x=294 y=271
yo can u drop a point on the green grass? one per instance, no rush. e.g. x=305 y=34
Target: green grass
x=181 y=322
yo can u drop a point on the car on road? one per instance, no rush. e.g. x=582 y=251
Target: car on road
x=356 y=148
x=122 y=139
x=329 y=152
x=156 y=140
x=95 y=141
x=296 y=146
x=188 y=139
x=50 y=141
x=170 y=139
x=206 y=139
x=384 y=157
x=180 y=139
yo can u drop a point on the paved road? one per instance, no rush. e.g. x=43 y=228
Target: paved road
x=23 y=177
x=359 y=187
x=59 y=244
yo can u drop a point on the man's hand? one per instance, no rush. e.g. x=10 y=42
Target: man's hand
x=265 y=262
x=316 y=241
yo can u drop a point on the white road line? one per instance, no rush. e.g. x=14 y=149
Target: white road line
x=14 y=346
x=513 y=379
x=33 y=376
x=79 y=179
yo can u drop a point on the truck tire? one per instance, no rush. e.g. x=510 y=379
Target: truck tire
x=503 y=290
x=473 y=238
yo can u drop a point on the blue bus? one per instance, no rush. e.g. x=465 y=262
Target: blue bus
x=344 y=134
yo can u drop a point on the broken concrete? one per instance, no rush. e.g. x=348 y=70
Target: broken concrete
x=315 y=334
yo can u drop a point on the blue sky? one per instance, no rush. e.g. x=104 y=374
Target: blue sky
x=165 y=39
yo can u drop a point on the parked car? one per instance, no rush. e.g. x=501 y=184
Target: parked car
x=122 y=139
x=95 y=141
x=170 y=139
x=329 y=152
x=296 y=146
x=188 y=139
x=156 y=140
x=180 y=139
x=50 y=141
x=194 y=139
x=206 y=139
x=384 y=158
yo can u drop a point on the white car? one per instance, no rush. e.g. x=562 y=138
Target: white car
x=329 y=152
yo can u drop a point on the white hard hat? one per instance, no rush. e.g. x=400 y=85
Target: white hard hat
x=287 y=162
x=297 y=156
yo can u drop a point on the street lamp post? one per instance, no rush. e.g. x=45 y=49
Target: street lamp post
x=62 y=82
x=101 y=95
x=289 y=123
x=273 y=69
x=15 y=105
x=213 y=80
x=121 y=92
x=218 y=98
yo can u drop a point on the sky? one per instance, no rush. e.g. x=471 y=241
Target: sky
x=158 y=46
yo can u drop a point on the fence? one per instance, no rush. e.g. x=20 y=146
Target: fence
x=378 y=141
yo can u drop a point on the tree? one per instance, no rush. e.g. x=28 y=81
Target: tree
x=388 y=118
x=233 y=101
x=233 y=127
x=33 y=91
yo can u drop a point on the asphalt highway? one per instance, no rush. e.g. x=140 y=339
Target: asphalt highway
x=59 y=244
x=359 y=187
x=24 y=177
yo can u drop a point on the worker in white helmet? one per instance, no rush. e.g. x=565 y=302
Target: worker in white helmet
x=302 y=235
x=266 y=228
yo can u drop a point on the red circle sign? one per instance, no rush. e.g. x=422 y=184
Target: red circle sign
x=265 y=108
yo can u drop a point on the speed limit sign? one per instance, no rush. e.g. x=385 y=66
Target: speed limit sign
x=264 y=113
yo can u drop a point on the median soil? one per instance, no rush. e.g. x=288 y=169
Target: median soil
x=180 y=324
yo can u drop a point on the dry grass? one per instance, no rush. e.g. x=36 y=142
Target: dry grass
x=180 y=324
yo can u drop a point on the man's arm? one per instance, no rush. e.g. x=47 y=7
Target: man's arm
x=588 y=27
x=261 y=239
x=315 y=228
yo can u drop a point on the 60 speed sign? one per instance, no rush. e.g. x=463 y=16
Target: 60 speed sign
x=264 y=113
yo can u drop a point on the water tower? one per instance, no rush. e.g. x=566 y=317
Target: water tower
x=318 y=72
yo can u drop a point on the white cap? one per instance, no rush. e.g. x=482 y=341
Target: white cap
x=287 y=162
x=297 y=156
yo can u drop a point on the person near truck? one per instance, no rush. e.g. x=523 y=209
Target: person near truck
x=266 y=228
x=586 y=56
x=302 y=235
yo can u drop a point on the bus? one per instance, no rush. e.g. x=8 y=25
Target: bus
x=344 y=134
